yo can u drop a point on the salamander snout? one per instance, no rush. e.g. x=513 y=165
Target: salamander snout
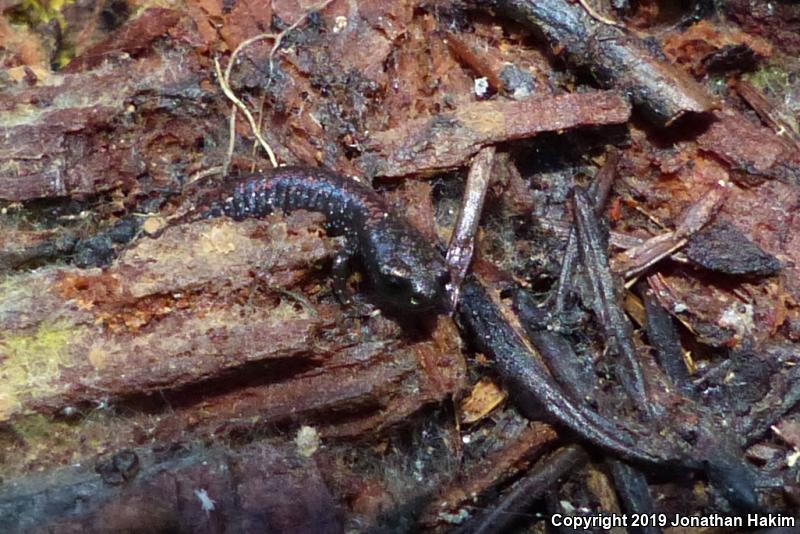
x=430 y=290
x=420 y=289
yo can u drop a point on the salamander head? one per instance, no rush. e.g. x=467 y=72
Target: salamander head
x=413 y=286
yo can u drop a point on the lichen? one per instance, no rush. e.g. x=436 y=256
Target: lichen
x=34 y=441
x=31 y=363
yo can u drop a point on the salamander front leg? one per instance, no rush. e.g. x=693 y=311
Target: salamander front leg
x=341 y=272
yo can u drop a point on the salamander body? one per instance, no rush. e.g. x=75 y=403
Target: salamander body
x=402 y=266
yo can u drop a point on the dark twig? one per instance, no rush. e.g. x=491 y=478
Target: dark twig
x=713 y=448
x=663 y=336
x=577 y=381
x=533 y=388
x=543 y=476
x=599 y=190
x=616 y=57
x=605 y=302
x=634 y=494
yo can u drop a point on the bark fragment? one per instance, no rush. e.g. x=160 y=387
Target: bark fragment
x=130 y=39
x=447 y=140
x=82 y=134
x=750 y=148
x=723 y=248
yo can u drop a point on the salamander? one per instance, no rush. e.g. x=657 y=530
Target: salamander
x=404 y=269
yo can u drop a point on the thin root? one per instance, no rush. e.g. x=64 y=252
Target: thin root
x=224 y=82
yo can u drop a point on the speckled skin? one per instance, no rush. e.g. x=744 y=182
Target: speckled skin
x=402 y=266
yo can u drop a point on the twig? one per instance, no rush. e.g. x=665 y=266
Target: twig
x=542 y=477
x=617 y=57
x=617 y=328
x=639 y=258
x=534 y=389
x=599 y=190
x=663 y=336
x=767 y=112
x=633 y=492
x=462 y=243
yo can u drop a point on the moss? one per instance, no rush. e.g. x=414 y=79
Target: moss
x=778 y=80
x=34 y=441
x=770 y=78
x=32 y=363
x=63 y=56
x=36 y=13
x=33 y=428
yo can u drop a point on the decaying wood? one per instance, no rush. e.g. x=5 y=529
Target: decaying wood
x=228 y=335
x=188 y=323
x=447 y=140
x=113 y=323
x=19 y=248
x=707 y=48
x=505 y=463
x=207 y=490
x=617 y=58
x=767 y=112
x=751 y=149
x=84 y=133
x=131 y=39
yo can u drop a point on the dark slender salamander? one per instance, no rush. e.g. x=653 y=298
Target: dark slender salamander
x=402 y=266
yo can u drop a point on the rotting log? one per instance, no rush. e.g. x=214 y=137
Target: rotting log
x=198 y=490
x=152 y=320
x=81 y=134
x=212 y=327
x=78 y=133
